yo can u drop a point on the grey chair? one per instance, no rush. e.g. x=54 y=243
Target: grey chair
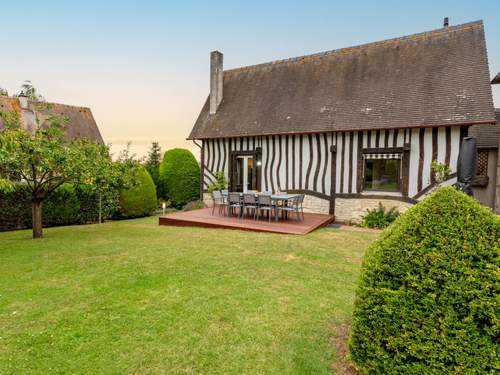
x=265 y=204
x=220 y=201
x=290 y=207
x=234 y=202
x=250 y=203
x=300 y=205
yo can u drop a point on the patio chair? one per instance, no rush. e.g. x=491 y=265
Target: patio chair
x=265 y=204
x=300 y=205
x=250 y=203
x=219 y=200
x=234 y=202
x=290 y=207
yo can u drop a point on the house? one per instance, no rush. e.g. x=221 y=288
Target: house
x=81 y=122
x=351 y=127
x=486 y=184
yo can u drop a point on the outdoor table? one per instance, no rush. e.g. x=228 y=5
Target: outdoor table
x=276 y=198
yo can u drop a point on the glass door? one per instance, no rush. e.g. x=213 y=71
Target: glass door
x=244 y=173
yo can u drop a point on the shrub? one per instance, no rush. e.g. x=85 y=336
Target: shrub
x=379 y=217
x=220 y=182
x=140 y=199
x=67 y=205
x=427 y=300
x=180 y=177
x=61 y=208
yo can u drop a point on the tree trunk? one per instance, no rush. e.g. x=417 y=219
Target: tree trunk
x=36 y=212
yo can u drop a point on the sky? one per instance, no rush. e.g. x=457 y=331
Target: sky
x=143 y=66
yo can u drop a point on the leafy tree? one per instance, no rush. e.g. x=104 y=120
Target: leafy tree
x=28 y=90
x=152 y=163
x=3 y=92
x=45 y=160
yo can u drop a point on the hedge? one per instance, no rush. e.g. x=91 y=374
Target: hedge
x=427 y=299
x=180 y=177
x=140 y=199
x=66 y=205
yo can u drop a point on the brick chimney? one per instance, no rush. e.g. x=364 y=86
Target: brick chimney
x=216 y=80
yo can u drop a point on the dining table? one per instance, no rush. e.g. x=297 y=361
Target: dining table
x=277 y=199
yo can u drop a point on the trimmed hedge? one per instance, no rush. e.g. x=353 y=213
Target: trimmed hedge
x=427 y=299
x=65 y=206
x=180 y=177
x=140 y=199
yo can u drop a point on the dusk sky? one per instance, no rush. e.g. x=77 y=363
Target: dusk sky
x=143 y=66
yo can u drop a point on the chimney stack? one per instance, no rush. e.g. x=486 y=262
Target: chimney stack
x=216 y=80
x=445 y=22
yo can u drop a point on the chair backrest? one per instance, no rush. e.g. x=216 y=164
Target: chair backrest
x=234 y=198
x=216 y=195
x=301 y=199
x=264 y=199
x=249 y=198
x=224 y=192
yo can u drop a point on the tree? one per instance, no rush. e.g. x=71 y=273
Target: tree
x=44 y=160
x=28 y=90
x=3 y=92
x=152 y=163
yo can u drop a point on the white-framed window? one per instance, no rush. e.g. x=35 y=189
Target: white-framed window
x=382 y=172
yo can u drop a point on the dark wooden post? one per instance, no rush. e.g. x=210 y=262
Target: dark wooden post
x=202 y=168
x=406 y=169
x=333 y=179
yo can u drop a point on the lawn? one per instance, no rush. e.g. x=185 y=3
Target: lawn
x=134 y=297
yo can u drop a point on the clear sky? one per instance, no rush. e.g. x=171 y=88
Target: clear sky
x=143 y=66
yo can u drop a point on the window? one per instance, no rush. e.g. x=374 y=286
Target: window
x=482 y=163
x=382 y=172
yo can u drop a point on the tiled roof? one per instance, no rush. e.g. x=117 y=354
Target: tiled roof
x=487 y=136
x=81 y=122
x=428 y=79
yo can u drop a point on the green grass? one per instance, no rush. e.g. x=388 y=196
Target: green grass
x=134 y=297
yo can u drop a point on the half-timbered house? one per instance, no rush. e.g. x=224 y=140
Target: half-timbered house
x=350 y=127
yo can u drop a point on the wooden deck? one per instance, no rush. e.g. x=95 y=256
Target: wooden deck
x=203 y=218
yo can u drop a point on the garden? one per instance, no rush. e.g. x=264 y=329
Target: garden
x=129 y=296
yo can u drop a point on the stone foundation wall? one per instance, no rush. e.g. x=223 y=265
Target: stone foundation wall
x=351 y=210
x=347 y=210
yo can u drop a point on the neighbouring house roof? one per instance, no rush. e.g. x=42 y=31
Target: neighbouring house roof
x=496 y=80
x=81 y=122
x=487 y=136
x=434 y=78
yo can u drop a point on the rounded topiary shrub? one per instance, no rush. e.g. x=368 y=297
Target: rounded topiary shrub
x=180 y=177
x=140 y=199
x=427 y=299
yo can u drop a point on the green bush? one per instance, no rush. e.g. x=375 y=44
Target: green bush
x=379 y=217
x=220 y=182
x=180 y=177
x=65 y=206
x=427 y=300
x=140 y=199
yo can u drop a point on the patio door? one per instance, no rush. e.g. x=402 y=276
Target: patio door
x=244 y=173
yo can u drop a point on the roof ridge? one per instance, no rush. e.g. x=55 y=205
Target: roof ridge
x=421 y=35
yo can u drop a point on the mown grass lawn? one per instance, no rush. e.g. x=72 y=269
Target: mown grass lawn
x=134 y=297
